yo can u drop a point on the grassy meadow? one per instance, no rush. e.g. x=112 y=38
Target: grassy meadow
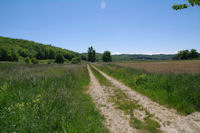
x=174 y=89
x=46 y=98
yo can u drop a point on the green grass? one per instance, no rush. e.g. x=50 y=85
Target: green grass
x=122 y=102
x=102 y=80
x=179 y=91
x=46 y=98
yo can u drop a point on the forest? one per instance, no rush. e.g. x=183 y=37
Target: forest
x=20 y=50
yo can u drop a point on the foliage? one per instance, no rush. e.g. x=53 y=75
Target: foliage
x=133 y=57
x=27 y=60
x=34 y=61
x=183 y=6
x=46 y=98
x=12 y=49
x=174 y=90
x=186 y=54
x=76 y=60
x=91 y=54
x=106 y=57
x=59 y=59
x=7 y=54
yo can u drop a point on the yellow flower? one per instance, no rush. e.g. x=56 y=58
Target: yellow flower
x=3 y=87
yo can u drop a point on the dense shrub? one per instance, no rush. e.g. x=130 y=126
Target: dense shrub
x=34 y=61
x=27 y=60
x=76 y=60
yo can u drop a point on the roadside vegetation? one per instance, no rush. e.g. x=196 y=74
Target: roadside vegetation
x=122 y=102
x=179 y=91
x=46 y=98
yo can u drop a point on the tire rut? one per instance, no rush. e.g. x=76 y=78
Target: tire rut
x=115 y=120
x=170 y=121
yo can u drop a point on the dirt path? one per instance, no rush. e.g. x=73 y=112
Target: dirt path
x=170 y=121
x=115 y=120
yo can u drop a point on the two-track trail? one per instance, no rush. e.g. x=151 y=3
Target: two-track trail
x=170 y=121
x=115 y=120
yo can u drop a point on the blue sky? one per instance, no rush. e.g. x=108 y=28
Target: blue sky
x=121 y=26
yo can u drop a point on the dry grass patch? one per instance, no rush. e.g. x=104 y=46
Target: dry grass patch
x=192 y=66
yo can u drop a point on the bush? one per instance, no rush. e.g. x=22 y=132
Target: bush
x=27 y=60
x=107 y=56
x=34 y=61
x=60 y=59
x=76 y=60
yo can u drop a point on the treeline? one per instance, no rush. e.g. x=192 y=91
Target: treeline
x=133 y=57
x=187 y=55
x=18 y=49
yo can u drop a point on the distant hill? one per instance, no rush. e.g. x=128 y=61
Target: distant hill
x=10 y=49
x=132 y=57
x=18 y=49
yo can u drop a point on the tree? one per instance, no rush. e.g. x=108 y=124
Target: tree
x=107 y=56
x=34 y=61
x=40 y=55
x=68 y=56
x=193 y=54
x=183 y=55
x=52 y=54
x=27 y=60
x=23 y=52
x=186 y=54
x=91 y=54
x=83 y=57
x=60 y=59
x=14 y=56
x=76 y=60
x=5 y=54
x=183 y=6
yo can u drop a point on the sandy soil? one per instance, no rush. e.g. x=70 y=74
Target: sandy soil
x=115 y=120
x=170 y=121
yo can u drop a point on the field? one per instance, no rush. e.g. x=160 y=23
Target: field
x=192 y=66
x=118 y=97
x=46 y=98
x=173 y=84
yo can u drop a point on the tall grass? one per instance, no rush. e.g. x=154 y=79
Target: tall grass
x=179 y=91
x=46 y=98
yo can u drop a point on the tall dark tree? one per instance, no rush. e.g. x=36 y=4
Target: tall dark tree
x=183 y=6
x=107 y=56
x=183 y=55
x=186 y=54
x=40 y=55
x=91 y=54
x=193 y=54
x=5 y=54
x=60 y=58
x=52 y=54
x=14 y=56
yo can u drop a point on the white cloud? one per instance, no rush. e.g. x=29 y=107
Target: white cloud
x=103 y=5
